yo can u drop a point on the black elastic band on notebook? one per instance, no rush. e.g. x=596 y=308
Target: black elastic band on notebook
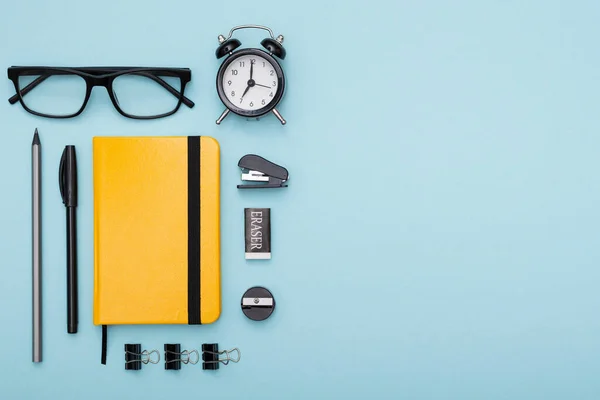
x=104 y=338
x=193 y=230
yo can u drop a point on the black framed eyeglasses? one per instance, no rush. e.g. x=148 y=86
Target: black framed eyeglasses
x=136 y=92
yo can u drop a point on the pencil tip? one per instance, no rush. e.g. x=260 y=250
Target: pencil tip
x=36 y=137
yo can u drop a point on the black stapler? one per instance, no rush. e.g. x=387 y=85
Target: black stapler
x=257 y=169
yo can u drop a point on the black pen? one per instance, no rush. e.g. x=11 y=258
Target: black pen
x=68 y=190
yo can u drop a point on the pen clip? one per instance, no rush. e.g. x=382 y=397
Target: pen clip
x=61 y=175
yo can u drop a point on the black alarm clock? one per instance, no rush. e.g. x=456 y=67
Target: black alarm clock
x=250 y=82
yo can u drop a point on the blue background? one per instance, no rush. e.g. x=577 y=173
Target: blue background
x=439 y=237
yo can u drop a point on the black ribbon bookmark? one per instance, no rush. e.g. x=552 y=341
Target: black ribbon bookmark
x=194 y=230
x=104 y=339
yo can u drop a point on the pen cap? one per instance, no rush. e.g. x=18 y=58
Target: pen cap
x=67 y=176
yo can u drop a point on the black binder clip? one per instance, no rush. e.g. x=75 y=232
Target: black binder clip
x=257 y=169
x=211 y=353
x=135 y=357
x=174 y=356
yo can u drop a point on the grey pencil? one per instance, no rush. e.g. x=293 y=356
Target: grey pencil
x=36 y=173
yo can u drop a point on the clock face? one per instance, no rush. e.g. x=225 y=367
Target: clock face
x=251 y=82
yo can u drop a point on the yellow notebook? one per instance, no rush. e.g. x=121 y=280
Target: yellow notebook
x=156 y=230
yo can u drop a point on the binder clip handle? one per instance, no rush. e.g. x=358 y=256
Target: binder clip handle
x=228 y=354
x=186 y=357
x=147 y=357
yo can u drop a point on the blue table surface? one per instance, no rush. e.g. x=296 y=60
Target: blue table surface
x=439 y=238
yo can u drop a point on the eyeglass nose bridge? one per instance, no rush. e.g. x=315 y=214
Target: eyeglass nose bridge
x=106 y=82
x=99 y=81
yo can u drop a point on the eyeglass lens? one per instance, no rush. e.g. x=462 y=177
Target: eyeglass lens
x=56 y=95
x=145 y=95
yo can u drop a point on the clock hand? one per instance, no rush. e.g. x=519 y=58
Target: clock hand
x=258 y=84
x=245 y=91
x=251 y=69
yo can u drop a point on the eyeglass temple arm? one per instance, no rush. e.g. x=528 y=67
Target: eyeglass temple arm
x=28 y=88
x=158 y=80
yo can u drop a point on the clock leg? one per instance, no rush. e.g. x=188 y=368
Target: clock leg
x=279 y=117
x=222 y=117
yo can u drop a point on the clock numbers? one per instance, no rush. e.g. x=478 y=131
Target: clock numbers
x=253 y=85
